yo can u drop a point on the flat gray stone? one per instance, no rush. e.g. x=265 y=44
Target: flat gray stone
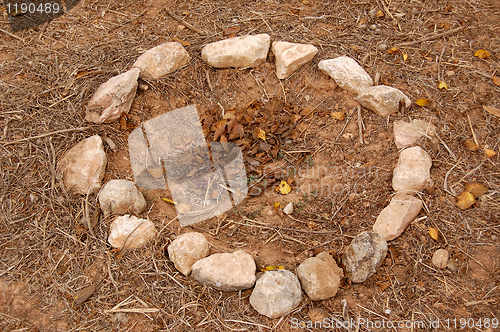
x=276 y=293
x=364 y=256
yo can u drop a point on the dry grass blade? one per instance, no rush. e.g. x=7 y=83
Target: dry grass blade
x=492 y=110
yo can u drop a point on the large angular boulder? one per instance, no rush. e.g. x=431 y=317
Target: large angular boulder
x=347 y=73
x=290 y=56
x=186 y=250
x=412 y=171
x=383 y=100
x=129 y=232
x=237 y=52
x=364 y=256
x=226 y=272
x=162 y=60
x=82 y=168
x=276 y=293
x=320 y=276
x=120 y=197
x=394 y=219
x=407 y=133
x=113 y=98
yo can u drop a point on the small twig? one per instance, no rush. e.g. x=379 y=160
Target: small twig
x=12 y=35
x=473 y=134
x=446 y=146
x=428 y=38
x=124 y=23
x=45 y=135
x=360 y=125
x=136 y=311
x=190 y=26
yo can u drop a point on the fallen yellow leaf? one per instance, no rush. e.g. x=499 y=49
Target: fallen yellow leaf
x=476 y=189
x=277 y=205
x=465 y=200
x=380 y=14
x=471 y=146
x=272 y=268
x=423 y=102
x=167 y=200
x=443 y=85
x=434 y=233
x=338 y=115
x=392 y=50
x=405 y=56
x=490 y=153
x=482 y=54
x=492 y=110
x=261 y=134
x=284 y=188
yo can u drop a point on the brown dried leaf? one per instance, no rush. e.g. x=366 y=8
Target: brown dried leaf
x=423 y=102
x=471 y=146
x=83 y=294
x=465 y=200
x=232 y=30
x=476 y=189
x=489 y=153
x=220 y=128
x=492 y=110
x=82 y=73
x=317 y=314
x=392 y=50
x=383 y=286
x=182 y=42
x=237 y=131
x=338 y=115
x=496 y=80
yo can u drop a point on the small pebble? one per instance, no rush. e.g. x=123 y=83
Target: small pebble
x=110 y=143
x=452 y=265
x=373 y=27
x=440 y=258
x=382 y=47
x=450 y=73
x=362 y=26
x=288 y=209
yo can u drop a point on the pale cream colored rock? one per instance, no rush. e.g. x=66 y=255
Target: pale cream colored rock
x=440 y=258
x=347 y=73
x=82 y=168
x=130 y=232
x=186 y=250
x=383 y=100
x=120 y=197
x=113 y=98
x=407 y=133
x=320 y=276
x=288 y=208
x=237 y=52
x=290 y=56
x=364 y=256
x=276 y=293
x=412 y=171
x=394 y=218
x=162 y=60
x=226 y=272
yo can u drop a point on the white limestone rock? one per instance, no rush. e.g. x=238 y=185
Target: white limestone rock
x=226 y=272
x=290 y=56
x=347 y=73
x=237 y=52
x=120 y=197
x=288 y=209
x=320 y=276
x=383 y=100
x=162 y=60
x=407 y=133
x=440 y=258
x=82 y=168
x=129 y=232
x=364 y=256
x=276 y=293
x=113 y=98
x=186 y=250
x=412 y=171
x=394 y=218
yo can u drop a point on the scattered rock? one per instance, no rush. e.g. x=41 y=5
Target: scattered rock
x=237 y=52
x=121 y=196
x=186 y=250
x=276 y=293
x=226 y=272
x=382 y=99
x=288 y=208
x=347 y=73
x=82 y=167
x=452 y=265
x=113 y=98
x=320 y=276
x=407 y=133
x=290 y=56
x=129 y=232
x=364 y=255
x=111 y=144
x=162 y=60
x=394 y=219
x=412 y=171
x=440 y=258
x=382 y=47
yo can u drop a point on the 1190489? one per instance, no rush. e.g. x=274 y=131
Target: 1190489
x=33 y=8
